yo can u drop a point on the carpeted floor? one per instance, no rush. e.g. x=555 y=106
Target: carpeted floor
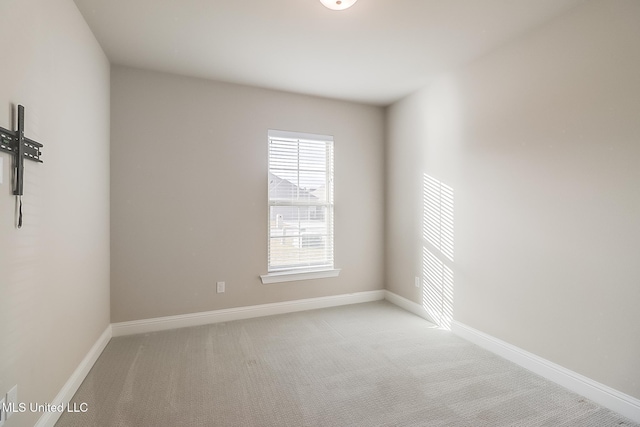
x=368 y=364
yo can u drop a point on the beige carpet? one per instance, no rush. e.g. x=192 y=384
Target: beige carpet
x=362 y=365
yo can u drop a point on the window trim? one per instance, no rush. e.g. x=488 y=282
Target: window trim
x=291 y=276
x=308 y=272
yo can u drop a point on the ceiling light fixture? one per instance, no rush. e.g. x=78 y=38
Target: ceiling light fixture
x=338 y=4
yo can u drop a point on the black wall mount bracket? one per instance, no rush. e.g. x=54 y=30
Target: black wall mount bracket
x=15 y=143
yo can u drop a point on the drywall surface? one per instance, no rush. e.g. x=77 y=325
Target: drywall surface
x=539 y=145
x=189 y=193
x=54 y=272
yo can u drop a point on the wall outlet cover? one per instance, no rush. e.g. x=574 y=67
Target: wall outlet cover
x=220 y=287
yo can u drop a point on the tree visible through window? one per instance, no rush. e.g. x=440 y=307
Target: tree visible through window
x=300 y=201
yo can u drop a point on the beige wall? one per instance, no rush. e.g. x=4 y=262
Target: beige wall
x=54 y=272
x=540 y=142
x=189 y=193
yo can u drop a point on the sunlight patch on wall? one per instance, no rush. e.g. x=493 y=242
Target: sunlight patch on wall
x=437 y=294
x=437 y=222
x=437 y=251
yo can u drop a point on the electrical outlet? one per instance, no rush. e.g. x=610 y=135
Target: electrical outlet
x=12 y=400
x=220 y=287
x=2 y=413
x=417 y=282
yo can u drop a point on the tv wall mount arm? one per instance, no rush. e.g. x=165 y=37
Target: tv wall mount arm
x=15 y=143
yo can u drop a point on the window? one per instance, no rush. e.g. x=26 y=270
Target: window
x=300 y=206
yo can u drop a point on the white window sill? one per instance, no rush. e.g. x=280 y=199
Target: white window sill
x=291 y=276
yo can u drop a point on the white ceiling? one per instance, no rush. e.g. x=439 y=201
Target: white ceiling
x=375 y=52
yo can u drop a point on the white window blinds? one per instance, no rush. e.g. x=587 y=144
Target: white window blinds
x=300 y=201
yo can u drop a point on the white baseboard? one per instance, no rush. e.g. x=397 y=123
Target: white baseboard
x=238 y=313
x=408 y=305
x=606 y=396
x=49 y=419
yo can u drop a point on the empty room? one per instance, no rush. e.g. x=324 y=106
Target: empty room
x=320 y=213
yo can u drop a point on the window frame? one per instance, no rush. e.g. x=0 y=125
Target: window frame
x=294 y=273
